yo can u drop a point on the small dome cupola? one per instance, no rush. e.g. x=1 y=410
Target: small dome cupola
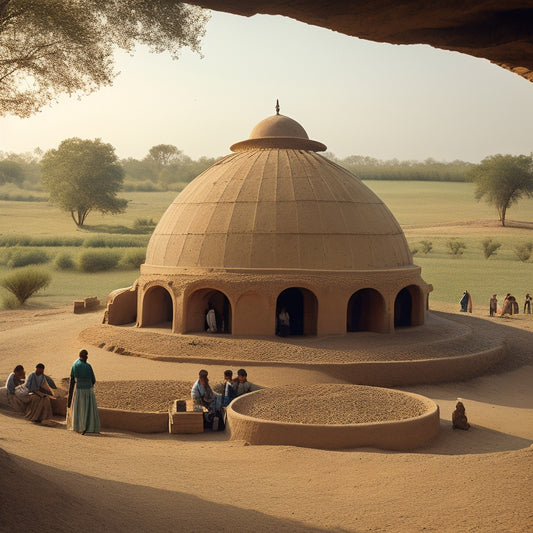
x=278 y=131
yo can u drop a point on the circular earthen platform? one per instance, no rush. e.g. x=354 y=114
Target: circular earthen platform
x=446 y=348
x=333 y=416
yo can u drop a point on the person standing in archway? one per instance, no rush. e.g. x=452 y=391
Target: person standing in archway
x=284 y=323
x=211 y=319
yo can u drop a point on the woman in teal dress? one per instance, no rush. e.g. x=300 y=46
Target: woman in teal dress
x=82 y=415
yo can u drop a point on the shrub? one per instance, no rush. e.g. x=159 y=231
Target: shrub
x=144 y=225
x=414 y=251
x=23 y=257
x=25 y=240
x=113 y=241
x=64 y=261
x=15 y=240
x=132 y=259
x=97 y=261
x=523 y=251
x=25 y=282
x=456 y=247
x=490 y=247
x=427 y=246
x=95 y=242
x=10 y=302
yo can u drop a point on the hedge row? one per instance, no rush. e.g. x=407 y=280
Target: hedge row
x=85 y=261
x=97 y=241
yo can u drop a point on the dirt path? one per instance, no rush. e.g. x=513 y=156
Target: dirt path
x=478 y=480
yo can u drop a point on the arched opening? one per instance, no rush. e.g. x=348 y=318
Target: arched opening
x=198 y=305
x=157 y=307
x=403 y=308
x=366 y=311
x=301 y=306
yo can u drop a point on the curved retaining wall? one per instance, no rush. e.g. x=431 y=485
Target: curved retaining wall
x=401 y=435
x=416 y=371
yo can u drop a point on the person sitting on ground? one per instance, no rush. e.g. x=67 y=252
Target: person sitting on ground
x=39 y=407
x=17 y=394
x=204 y=397
x=241 y=385
x=459 y=420
x=229 y=392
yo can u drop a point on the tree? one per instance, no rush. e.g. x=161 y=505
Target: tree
x=67 y=46
x=164 y=154
x=83 y=176
x=11 y=172
x=503 y=180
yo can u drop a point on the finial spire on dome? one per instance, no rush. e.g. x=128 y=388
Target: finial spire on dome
x=277 y=106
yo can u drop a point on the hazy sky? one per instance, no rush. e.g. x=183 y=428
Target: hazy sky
x=355 y=96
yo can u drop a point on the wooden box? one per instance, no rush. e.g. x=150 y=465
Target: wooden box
x=185 y=421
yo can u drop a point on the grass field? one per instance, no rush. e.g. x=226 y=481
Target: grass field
x=433 y=211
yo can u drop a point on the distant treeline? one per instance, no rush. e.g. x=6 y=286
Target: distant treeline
x=167 y=168
x=368 y=168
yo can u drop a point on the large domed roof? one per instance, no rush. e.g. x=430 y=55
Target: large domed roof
x=273 y=205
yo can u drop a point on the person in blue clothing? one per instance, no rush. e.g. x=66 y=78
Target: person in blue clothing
x=82 y=414
x=229 y=391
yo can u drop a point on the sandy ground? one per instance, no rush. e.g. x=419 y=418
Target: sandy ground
x=474 y=481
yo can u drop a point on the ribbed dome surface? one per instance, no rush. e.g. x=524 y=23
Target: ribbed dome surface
x=278 y=208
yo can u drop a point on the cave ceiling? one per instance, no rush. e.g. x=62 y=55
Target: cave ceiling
x=498 y=30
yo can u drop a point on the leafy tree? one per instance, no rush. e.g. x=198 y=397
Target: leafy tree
x=490 y=247
x=83 y=176
x=11 y=172
x=503 y=180
x=48 y=48
x=25 y=282
x=164 y=154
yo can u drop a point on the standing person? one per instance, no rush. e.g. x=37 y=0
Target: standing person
x=466 y=302
x=39 y=406
x=211 y=319
x=15 y=399
x=493 y=305
x=527 y=304
x=284 y=323
x=82 y=414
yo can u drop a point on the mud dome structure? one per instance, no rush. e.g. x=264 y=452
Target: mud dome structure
x=275 y=225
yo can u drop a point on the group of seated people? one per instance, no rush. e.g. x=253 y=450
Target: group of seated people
x=214 y=403
x=31 y=395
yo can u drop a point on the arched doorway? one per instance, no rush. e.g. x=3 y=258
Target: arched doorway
x=366 y=311
x=302 y=306
x=403 y=309
x=197 y=306
x=157 y=307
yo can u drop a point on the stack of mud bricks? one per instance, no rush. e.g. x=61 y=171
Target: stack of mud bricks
x=183 y=419
x=81 y=306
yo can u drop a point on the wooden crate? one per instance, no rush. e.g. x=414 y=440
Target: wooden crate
x=185 y=421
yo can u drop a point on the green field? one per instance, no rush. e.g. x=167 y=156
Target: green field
x=434 y=211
